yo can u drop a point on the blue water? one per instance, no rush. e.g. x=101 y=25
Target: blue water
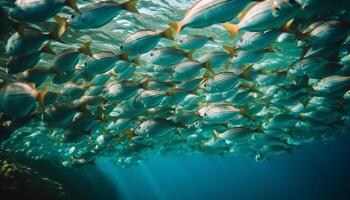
x=316 y=171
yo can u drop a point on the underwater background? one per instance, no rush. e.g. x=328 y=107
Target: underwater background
x=309 y=163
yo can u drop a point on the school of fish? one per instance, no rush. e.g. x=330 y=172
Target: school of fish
x=228 y=77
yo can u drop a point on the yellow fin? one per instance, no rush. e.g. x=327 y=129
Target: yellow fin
x=85 y=49
x=41 y=97
x=190 y=54
x=55 y=71
x=230 y=50
x=73 y=5
x=130 y=6
x=232 y=28
x=212 y=38
x=168 y=33
x=62 y=22
x=47 y=49
x=177 y=26
x=55 y=35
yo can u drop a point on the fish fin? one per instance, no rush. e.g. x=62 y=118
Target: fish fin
x=212 y=38
x=19 y=27
x=190 y=54
x=305 y=50
x=73 y=5
x=85 y=49
x=206 y=65
x=144 y=84
x=216 y=134
x=55 y=35
x=168 y=33
x=129 y=133
x=63 y=23
x=195 y=92
x=231 y=28
x=41 y=97
x=47 y=49
x=270 y=49
x=177 y=26
x=136 y=61
x=55 y=71
x=130 y=6
x=245 y=112
x=244 y=12
x=230 y=50
x=227 y=65
x=125 y=56
x=171 y=91
x=246 y=72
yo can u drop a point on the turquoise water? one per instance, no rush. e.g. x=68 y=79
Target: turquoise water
x=293 y=152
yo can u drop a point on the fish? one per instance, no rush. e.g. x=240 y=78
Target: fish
x=22 y=63
x=252 y=41
x=39 y=10
x=156 y=128
x=37 y=75
x=260 y=17
x=166 y=56
x=69 y=58
x=192 y=42
x=18 y=99
x=143 y=41
x=103 y=61
x=29 y=41
x=187 y=70
x=123 y=90
x=149 y=98
x=221 y=82
x=95 y=15
x=219 y=113
x=332 y=84
x=208 y=12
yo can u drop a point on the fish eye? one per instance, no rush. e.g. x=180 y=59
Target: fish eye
x=236 y=55
x=72 y=16
x=121 y=47
x=205 y=114
x=151 y=54
x=181 y=41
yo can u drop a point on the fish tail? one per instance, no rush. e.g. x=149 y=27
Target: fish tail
x=124 y=56
x=206 y=65
x=41 y=97
x=177 y=26
x=62 y=22
x=85 y=49
x=212 y=38
x=170 y=92
x=19 y=27
x=55 y=71
x=136 y=61
x=144 y=84
x=190 y=55
x=130 y=6
x=54 y=35
x=230 y=50
x=47 y=49
x=168 y=33
x=227 y=65
x=73 y=5
x=232 y=28
x=130 y=133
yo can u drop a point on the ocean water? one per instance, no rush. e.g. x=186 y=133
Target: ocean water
x=316 y=168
